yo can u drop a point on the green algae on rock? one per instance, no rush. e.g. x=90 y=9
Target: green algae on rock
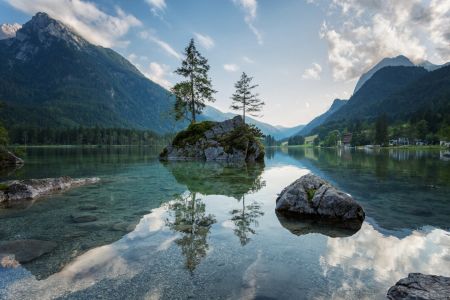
x=228 y=140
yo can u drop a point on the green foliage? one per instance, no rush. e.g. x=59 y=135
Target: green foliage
x=3 y=186
x=445 y=133
x=316 y=141
x=192 y=134
x=296 y=140
x=244 y=100
x=19 y=151
x=311 y=193
x=240 y=137
x=331 y=139
x=190 y=95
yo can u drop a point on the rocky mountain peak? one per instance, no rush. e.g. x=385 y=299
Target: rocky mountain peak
x=40 y=32
x=8 y=31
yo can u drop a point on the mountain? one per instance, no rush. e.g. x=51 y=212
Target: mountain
x=289 y=131
x=430 y=66
x=337 y=104
x=396 y=61
x=383 y=83
x=216 y=115
x=51 y=76
x=400 y=93
x=8 y=31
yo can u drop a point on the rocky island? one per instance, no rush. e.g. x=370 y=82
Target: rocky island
x=230 y=140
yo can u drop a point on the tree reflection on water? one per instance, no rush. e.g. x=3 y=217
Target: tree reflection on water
x=243 y=219
x=191 y=221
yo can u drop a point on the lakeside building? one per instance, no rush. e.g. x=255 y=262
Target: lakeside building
x=346 y=138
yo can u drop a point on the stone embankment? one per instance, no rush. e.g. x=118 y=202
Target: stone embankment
x=311 y=196
x=230 y=140
x=32 y=188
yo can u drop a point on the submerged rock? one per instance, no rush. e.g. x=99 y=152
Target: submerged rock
x=26 y=250
x=32 y=188
x=230 y=140
x=7 y=158
x=84 y=218
x=421 y=287
x=311 y=196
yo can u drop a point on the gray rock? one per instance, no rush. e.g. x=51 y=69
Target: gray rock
x=2 y=197
x=209 y=134
x=421 y=287
x=211 y=153
x=32 y=188
x=312 y=196
x=227 y=126
x=26 y=250
x=124 y=226
x=238 y=121
x=84 y=218
x=7 y=158
x=96 y=225
x=217 y=130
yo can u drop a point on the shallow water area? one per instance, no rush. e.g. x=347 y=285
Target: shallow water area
x=208 y=230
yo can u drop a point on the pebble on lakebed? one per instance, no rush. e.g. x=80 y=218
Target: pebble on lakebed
x=33 y=188
x=311 y=196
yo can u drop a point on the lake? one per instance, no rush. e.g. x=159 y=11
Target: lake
x=208 y=230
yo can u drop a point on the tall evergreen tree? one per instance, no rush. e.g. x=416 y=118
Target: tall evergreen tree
x=244 y=100
x=190 y=95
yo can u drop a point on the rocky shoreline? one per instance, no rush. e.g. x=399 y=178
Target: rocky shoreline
x=7 y=158
x=17 y=190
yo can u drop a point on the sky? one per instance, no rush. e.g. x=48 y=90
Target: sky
x=303 y=54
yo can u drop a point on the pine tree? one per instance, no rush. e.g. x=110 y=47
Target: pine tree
x=190 y=95
x=3 y=134
x=244 y=100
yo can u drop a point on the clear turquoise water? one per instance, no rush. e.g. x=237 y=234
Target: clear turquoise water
x=201 y=230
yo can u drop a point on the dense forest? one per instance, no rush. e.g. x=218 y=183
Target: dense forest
x=78 y=135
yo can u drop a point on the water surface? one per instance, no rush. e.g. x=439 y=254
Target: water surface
x=207 y=230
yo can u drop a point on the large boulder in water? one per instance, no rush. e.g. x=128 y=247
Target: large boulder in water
x=7 y=158
x=25 y=250
x=421 y=287
x=311 y=196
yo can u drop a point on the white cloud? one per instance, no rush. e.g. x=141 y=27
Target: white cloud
x=205 y=41
x=313 y=73
x=306 y=104
x=150 y=35
x=375 y=29
x=248 y=60
x=157 y=73
x=85 y=18
x=231 y=67
x=249 y=7
x=158 y=4
x=145 y=58
x=132 y=57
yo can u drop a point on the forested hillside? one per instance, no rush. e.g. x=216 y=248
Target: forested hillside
x=49 y=75
x=426 y=98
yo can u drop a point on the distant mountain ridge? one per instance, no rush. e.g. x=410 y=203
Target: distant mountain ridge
x=337 y=104
x=290 y=131
x=217 y=115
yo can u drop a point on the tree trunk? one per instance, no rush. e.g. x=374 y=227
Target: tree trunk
x=193 y=103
